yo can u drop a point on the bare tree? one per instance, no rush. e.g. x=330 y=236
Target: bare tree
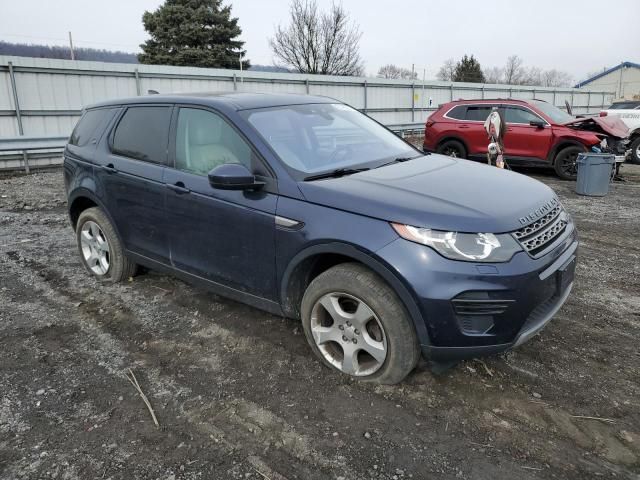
x=556 y=78
x=494 y=75
x=513 y=70
x=392 y=71
x=530 y=76
x=447 y=70
x=318 y=42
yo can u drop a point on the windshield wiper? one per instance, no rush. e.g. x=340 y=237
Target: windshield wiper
x=399 y=160
x=338 y=172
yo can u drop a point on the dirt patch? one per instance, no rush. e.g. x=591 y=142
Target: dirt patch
x=238 y=393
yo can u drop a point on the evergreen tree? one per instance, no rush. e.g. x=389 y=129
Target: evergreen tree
x=195 y=33
x=468 y=70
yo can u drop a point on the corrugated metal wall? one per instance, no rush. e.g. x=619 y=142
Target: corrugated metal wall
x=51 y=93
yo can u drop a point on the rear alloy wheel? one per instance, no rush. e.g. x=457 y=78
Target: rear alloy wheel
x=565 y=164
x=356 y=324
x=452 y=148
x=100 y=249
x=635 y=151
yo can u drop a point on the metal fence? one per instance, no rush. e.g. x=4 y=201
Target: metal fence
x=44 y=97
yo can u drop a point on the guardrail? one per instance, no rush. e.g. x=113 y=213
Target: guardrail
x=407 y=128
x=21 y=146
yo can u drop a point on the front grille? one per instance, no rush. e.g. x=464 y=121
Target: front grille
x=538 y=235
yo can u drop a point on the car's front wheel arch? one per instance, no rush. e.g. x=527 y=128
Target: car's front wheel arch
x=314 y=260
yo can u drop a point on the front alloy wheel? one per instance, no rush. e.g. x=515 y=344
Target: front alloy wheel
x=356 y=324
x=348 y=334
x=566 y=162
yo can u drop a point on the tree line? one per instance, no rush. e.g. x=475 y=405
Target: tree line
x=514 y=72
x=52 y=51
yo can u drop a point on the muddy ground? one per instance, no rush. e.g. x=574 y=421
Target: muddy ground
x=238 y=394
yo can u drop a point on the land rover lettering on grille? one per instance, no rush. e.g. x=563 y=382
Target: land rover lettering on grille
x=544 y=209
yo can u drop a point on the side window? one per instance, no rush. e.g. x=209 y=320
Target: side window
x=520 y=115
x=90 y=126
x=143 y=134
x=205 y=140
x=478 y=113
x=458 y=112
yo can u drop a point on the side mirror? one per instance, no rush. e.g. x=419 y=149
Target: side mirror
x=537 y=123
x=233 y=176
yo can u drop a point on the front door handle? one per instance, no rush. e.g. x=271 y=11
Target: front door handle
x=463 y=126
x=109 y=168
x=178 y=187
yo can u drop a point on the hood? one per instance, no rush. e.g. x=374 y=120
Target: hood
x=438 y=192
x=610 y=125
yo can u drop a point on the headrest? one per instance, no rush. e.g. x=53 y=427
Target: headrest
x=204 y=128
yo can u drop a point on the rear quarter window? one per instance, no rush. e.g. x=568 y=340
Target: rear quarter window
x=90 y=126
x=457 y=112
x=143 y=133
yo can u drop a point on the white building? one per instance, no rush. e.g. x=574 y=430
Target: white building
x=624 y=79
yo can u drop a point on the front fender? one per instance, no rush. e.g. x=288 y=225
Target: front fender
x=369 y=259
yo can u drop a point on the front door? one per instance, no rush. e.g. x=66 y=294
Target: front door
x=225 y=236
x=523 y=140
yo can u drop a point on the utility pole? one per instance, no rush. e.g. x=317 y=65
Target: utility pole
x=73 y=57
x=240 y=60
x=424 y=74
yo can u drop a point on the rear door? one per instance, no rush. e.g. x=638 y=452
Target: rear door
x=129 y=171
x=522 y=139
x=474 y=133
x=224 y=236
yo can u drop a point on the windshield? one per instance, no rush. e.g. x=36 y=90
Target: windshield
x=314 y=138
x=624 y=106
x=554 y=113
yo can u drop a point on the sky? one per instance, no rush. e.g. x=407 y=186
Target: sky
x=578 y=37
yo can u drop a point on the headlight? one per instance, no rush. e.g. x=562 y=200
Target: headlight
x=469 y=247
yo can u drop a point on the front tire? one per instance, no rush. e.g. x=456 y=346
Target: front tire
x=100 y=249
x=635 y=151
x=356 y=324
x=565 y=163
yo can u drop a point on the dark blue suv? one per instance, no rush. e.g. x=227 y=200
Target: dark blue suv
x=304 y=207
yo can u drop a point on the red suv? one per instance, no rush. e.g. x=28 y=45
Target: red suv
x=537 y=134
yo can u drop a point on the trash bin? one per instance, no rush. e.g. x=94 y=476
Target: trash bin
x=594 y=173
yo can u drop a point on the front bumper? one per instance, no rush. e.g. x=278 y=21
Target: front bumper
x=520 y=297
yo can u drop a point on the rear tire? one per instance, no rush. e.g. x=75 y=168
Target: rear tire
x=635 y=151
x=565 y=163
x=365 y=320
x=100 y=249
x=452 y=148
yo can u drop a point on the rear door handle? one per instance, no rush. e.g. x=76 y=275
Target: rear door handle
x=178 y=187
x=463 y=126
x=109 y=168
